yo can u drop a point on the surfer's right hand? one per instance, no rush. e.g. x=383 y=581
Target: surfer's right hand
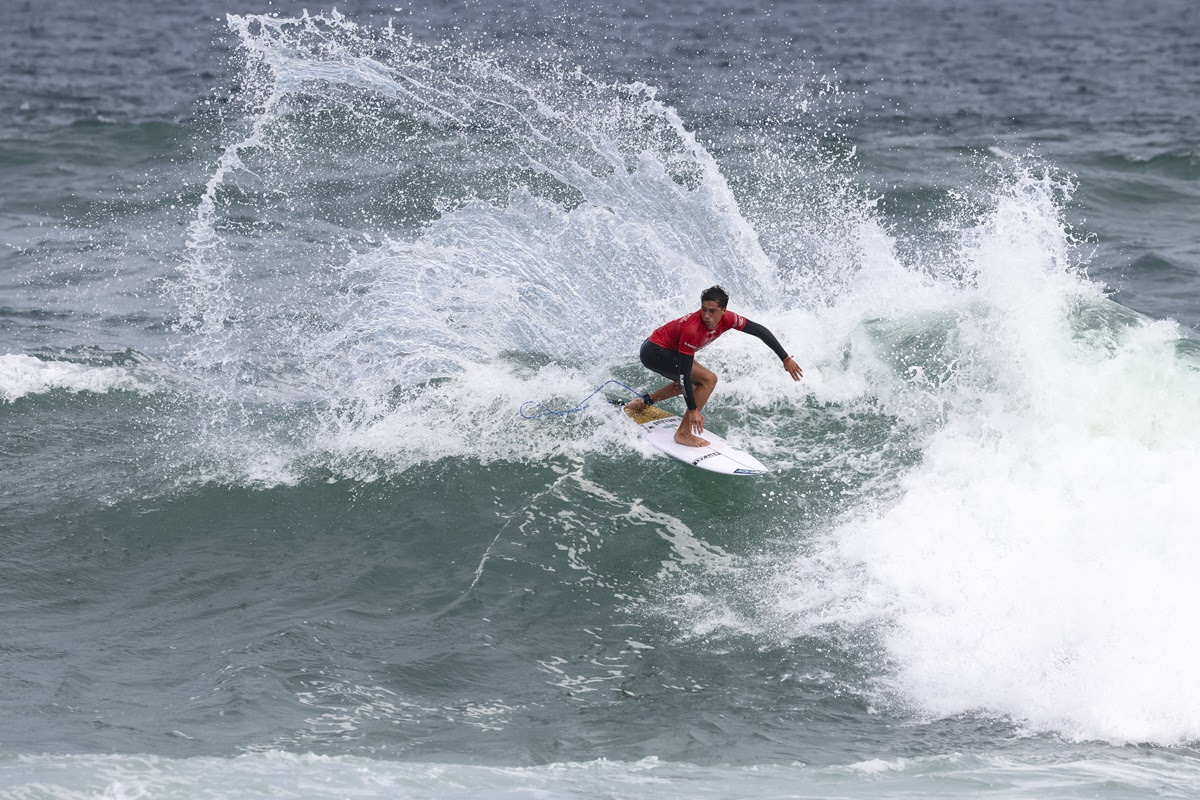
x=694 y=420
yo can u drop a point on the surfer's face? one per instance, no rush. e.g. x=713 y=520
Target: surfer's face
x=710 y=314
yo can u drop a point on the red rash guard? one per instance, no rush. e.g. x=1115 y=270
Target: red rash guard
x=687 y=334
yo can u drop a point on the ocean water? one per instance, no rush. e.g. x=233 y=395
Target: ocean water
x=277 y=279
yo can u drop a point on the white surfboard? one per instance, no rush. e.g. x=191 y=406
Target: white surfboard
x=658 y=427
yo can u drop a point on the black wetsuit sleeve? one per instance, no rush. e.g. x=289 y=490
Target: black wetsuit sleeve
x=685 y=380
x=754 y=329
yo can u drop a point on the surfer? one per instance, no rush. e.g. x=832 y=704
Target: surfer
x=671 y=350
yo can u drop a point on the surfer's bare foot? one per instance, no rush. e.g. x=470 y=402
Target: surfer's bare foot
x=690 y=439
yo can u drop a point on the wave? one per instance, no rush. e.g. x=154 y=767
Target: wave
x=1034 y=562
x=415 y=240
x=1169 y=161
x=22 y=375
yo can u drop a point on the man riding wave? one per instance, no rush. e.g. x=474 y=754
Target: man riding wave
x=671 y=351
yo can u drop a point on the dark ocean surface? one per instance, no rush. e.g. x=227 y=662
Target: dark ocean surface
x=276 y=282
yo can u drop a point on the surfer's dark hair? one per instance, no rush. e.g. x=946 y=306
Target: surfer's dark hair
x=715 y=293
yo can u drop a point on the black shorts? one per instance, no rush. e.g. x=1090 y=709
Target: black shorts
x=657 y=358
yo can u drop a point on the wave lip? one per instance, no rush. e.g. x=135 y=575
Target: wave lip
x=22 y=375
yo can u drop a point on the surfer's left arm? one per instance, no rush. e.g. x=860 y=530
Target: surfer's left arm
x=789 y=363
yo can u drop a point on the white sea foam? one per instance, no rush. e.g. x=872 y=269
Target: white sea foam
x=1041 y=561
x=22 y=375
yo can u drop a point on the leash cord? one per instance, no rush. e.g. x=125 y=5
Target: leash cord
x=549 y=412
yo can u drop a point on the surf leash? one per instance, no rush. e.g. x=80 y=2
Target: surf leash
x=550 y=412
